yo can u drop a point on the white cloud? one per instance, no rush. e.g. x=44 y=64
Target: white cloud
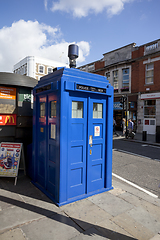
x=81 y=8
x=28 y=38
x=45 y=4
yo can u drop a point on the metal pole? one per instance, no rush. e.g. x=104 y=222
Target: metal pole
x=126 y=115
x=123 y=106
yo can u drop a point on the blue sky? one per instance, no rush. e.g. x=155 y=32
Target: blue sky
x=45 y=28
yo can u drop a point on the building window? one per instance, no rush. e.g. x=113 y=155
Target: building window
x=149 y=73
x=83 y=68
x=149 y=108
x=77 y=109
x=25 y=69
x=115 y=79
x=90 y=68
x=108 y=76
x=97 y=110
x=49 y=70
x=41 y=69
x=125 y=80
x=151 y=47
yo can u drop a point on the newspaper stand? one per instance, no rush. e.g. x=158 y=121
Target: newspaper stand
x=72 y=135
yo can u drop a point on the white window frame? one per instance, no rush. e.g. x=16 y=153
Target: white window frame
x=49 y=68
x=108 y=73
x=115 y=83
x=150 y=107
x=149 y=70
x=39 y=69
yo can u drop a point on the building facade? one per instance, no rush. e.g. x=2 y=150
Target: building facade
x=134 y=72
x=36 y=67
x=146 y=82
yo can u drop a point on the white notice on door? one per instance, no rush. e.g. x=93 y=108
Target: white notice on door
x=97 y=131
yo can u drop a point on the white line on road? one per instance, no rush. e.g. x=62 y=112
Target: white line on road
x=138 y=155
x=134 y=185
x=146 y=145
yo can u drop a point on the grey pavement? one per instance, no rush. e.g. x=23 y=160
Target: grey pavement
x=122 y=213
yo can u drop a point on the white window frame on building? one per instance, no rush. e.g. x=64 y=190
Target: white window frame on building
x=108 y=76
x=149 y=122
x=149 y=74
x=49 y=71
x=115 y=79
x=91 y=67
x=150 y=114
x=150 y=108
x=39 y=69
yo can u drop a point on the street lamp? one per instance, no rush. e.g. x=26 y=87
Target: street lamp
x=72 y=54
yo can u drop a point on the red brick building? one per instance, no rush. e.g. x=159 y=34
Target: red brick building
x=133 y=72
x=145 y=81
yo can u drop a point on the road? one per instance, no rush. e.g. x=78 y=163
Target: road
x=138 y=163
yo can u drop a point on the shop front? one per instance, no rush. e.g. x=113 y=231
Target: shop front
x=120 y=110
x=151 y=107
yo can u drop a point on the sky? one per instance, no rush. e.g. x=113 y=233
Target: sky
x=45 y=28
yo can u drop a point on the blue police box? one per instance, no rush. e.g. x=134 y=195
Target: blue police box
x=72 y=135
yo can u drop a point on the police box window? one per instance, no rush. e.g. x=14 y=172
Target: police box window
x=97 y=110
x=53 y=107
x=42 y=109
x=77 y=109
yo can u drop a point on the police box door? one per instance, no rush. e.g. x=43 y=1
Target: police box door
x=86 y=150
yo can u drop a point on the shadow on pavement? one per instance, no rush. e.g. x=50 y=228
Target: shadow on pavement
x=63 y=219
x=26 y=188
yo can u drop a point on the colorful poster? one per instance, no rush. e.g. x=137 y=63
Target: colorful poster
x=10 y=154
x=8 y=119
x=7 y=93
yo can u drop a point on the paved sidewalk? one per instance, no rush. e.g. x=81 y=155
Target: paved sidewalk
x=123 y=213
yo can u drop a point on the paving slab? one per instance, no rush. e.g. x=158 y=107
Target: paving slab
x=133 y=227
x=16 y=216
x=110 y=203
x=145 y=218
x=85 y=213
x=14 y=234
x=10 y=195
x=91 y=233
x=156 y=237
x=132 y=199
x=57 y=227
x=134 y=191
x=138 y=202
x=117 y=191
x=113 y=231
x=45 y=207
